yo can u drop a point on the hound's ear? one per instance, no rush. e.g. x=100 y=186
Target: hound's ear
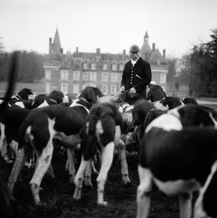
x=91 y=95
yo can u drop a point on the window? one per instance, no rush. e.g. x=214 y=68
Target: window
x=93 y=66
x=121 y=67
x=48 y=74
x=64 y=88
x=114 y=67
x=85 y=76
x=85 y=66
x=47 y=88
x=75 y=88
x=64 y=75
x=105 y=89
x=119 y=77
x=105 y=77
x=163 y=78
x=105 y=66
x=76 y=75
x=93 y=76
x=114 y=77
x=113 y=89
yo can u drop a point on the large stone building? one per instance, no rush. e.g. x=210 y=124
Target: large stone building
x=70 y=73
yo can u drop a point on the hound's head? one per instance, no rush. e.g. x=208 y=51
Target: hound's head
x=155 y=93
x=56 y=96
x=26 y=94
x=140 y=111
x=168 y=103
x=196 y=115
x=91 y=94
x=190 y=100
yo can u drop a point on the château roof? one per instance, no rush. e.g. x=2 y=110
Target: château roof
x=56 y=45
x=153 y=56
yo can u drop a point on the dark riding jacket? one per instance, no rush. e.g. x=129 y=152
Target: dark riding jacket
x=137 y=76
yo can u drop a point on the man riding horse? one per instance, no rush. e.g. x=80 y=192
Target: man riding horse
x=136 y=76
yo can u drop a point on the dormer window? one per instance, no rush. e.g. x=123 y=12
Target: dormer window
x=105 y=66
x=85 y=66
x=93 y=66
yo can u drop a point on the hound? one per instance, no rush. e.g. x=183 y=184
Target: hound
x=179 y=155
x=102 y=132
x=39 y=129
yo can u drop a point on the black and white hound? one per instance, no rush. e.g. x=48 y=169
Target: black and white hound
x=102 y=132
x=42 y=100
x=22 y=99
x=168 y=103
x=179 y=155
x=14 y=116
x=155 y=93
x=44 y=124
x=23 y=94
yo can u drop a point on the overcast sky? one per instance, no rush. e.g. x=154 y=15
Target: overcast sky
x=111 y=25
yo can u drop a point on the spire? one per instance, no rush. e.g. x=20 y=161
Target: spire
x=56 y=46
x=145 y=50
x=146 y=37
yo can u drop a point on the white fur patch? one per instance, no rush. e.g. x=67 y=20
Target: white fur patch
x=160 y=106
x=99 y=128
x=167 y=122
x=65 y=99
x=44 y=104
x=178 y=186
x=74 y=104
x=198 y=208
x=20 y=104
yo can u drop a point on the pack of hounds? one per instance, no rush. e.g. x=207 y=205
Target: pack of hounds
x=175 y=140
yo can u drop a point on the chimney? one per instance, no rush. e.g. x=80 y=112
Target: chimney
x=153 y=46
x=124 y=54
x=50 y=44
x=164 y=53
x=76 y=49
x=98 y=52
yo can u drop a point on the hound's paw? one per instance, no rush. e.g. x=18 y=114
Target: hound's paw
x=104 y=203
